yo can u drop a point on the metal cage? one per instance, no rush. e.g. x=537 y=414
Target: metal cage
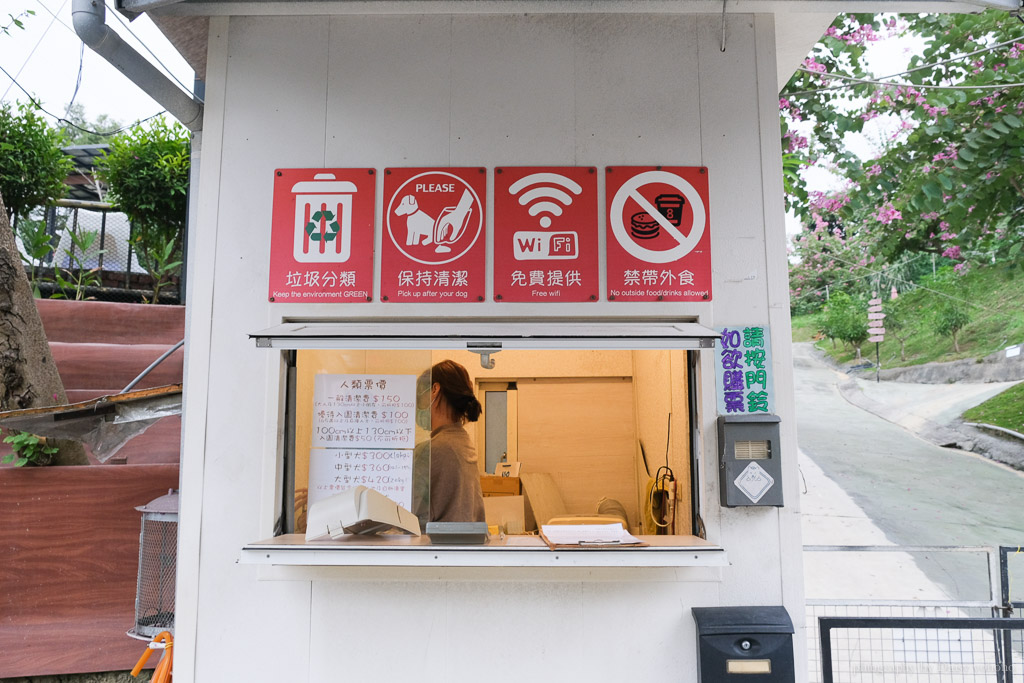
x=158 y=563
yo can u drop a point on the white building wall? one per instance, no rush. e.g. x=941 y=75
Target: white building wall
x=378 y=91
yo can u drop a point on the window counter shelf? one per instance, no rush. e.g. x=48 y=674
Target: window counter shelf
x=509 y=551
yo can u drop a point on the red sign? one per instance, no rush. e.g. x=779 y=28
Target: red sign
x=545 y=234
x=659 y=234
x=321 y=238
x=434 y=246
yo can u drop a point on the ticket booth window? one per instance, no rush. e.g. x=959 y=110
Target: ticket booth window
x=587 y=420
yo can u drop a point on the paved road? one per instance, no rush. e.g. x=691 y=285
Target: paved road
x=915 y=492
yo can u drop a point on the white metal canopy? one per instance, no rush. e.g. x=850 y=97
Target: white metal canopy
x=486 y=335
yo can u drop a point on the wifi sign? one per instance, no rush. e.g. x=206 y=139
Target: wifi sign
x=546 y=234
x=548 y=197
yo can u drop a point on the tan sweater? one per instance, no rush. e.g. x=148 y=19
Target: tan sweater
x=454 y=478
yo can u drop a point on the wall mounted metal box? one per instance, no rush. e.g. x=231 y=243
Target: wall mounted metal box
x=749 y=460
x=734 y=642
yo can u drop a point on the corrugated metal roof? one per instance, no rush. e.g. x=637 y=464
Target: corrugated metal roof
x=81 y=182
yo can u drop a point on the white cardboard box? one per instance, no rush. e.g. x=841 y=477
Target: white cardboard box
x=359 y=510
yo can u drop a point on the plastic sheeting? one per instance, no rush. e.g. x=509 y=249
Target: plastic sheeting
x=105 y=424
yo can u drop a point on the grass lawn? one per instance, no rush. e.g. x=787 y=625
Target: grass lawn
x=1005 y=410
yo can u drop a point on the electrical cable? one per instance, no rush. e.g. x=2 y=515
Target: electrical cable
x=78 y=81
x=74 y=125
x=27 y=59
x=184 y=87
x=854 y=279
x=866 y=81
x=664 y=483
x=59 y=20
x=909 y=71
x=920 y=286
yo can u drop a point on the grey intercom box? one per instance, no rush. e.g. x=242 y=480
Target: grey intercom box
x=749 y=460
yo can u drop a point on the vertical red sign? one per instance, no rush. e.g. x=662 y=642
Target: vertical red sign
x=321 y=237
x=545 y=234
x=658 y=234
x=434 y=245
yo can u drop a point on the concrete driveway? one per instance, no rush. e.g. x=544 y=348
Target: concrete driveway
x=900 y=488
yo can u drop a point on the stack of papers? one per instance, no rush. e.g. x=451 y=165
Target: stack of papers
x=587 y=535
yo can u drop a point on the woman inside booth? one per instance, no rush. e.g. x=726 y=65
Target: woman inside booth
x=445 y=392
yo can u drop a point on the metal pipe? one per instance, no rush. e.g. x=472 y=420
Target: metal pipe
x=152 y=365
x=90 y=24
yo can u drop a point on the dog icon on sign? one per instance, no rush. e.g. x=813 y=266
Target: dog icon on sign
x=445 y=230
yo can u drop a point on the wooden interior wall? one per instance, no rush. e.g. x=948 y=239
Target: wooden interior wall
x=69 y=552
x=581 y=431
x=660 y=387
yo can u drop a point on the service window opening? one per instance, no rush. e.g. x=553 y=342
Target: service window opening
x=595 y=435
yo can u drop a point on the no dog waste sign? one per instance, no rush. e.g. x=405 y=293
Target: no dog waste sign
x=434 y=245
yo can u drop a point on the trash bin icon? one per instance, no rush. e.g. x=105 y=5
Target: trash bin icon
x=323 y=219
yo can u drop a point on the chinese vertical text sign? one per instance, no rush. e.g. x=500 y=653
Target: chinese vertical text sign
x=743 y=371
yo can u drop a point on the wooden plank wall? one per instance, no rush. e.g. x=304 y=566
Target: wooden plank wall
x=581 y=432
x=69 y=549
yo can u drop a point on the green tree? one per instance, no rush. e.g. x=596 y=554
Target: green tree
x=900 y=322
x=845 y=318
x=32 y=167
x=147 y=174
x=101 y=127
x=951 y=308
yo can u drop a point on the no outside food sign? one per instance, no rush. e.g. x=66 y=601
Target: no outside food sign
x=658 y=234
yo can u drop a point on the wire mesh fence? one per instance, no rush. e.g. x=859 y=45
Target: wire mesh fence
x=926 y=650
x=950 y=636
x=87 y=250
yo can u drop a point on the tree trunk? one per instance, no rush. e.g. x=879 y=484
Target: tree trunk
x=956 y=345
x=30 y=378
x=903 y=351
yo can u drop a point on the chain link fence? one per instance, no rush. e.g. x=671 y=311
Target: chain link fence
x=87 y=250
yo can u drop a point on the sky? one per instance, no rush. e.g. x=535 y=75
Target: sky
x=44 y=59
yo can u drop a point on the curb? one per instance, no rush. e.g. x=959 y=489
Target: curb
x=994 y=443
x=1000 y=431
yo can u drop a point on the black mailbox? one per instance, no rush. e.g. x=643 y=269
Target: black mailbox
x=748 y=644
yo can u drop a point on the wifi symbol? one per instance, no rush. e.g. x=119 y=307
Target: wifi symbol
x=546 y=198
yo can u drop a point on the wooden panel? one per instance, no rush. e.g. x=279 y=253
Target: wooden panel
x=102 y=321
x=109 y=368
x=69 y=545
x=582 y=433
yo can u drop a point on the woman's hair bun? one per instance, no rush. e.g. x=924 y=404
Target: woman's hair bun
x=473 y=409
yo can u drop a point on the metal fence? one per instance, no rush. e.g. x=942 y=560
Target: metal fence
x=961 y=627
x=922 y=649
x=86 y=250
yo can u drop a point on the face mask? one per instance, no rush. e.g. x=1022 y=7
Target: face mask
x=423 y=415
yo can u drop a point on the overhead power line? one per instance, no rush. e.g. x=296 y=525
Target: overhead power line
x=117 y=15
x=34 y=48
x=882 y=79
x=851 y=81
x=61 y=119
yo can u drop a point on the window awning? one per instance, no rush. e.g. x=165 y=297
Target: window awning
x=484 y=335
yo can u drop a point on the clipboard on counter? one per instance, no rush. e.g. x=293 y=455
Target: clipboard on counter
x=588 y=536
